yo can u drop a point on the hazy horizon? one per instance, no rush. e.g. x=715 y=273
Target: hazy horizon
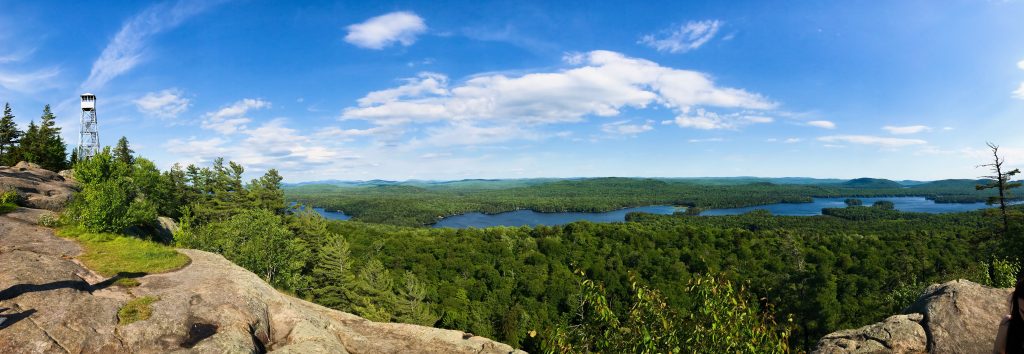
x=492 y=90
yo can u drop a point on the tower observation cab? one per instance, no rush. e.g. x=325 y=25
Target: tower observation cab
x=89 y=140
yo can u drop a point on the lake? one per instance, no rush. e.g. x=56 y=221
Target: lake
x=533 y=218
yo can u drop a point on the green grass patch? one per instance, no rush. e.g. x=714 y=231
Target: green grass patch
x=112 y=254
x=7 y=208
x=138 y=309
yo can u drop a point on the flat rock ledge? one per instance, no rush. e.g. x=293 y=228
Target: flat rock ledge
x=54 y=305
x=954 y=317
x=38 y=187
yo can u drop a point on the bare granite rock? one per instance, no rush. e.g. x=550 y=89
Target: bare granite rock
x=39 y=188
x=954 y=317
x=211 y=306
x=897 y=334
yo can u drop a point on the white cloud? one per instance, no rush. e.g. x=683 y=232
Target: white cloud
x=382 y=31
x=687 y=37
x=623 y=127
x=16 y=56
x=270 y=145
x=910 y=129
x=167 y=104
x=573 y=58
x=605 y=84
x=125 y=51
x=822 y=124
x=1020 y=64
x=872 y=140
x=29 y=82
x=706 y=120
x=231 y=119
x=1019 y=92
x=792 y=140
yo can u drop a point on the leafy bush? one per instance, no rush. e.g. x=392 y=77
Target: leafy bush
x=721 y=320
x=115 y=195
x=8 y=201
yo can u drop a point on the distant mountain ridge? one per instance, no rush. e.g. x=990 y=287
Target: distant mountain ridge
x=863 y=182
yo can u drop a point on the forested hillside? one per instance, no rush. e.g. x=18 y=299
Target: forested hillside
x=418 y=204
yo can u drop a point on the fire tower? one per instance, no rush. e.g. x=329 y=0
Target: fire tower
x=89 y=140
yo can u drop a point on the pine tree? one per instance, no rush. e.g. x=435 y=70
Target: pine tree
x=122 y=152
x=412 y=306
x=1002 y=181
x=74 y=158
x=333 y=273
x=51 y=151
x=374 y=298
x=9 y=135
x=28 y=146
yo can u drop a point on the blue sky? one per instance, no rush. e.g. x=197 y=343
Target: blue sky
x=452 y=90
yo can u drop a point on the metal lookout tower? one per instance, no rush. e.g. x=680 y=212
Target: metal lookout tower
x=89 y=140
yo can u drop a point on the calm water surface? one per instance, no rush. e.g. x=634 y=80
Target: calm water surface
x=533 y=218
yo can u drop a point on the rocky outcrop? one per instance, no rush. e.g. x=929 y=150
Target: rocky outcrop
x=953 y=317
x=55 y=305
x=38 y=188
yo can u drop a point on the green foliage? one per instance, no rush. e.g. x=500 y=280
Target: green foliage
x=257 y=240
x=884 y=205
x=9 y=137
x=853 y=202
x=122 y=152
x=112 y=254
x=114 y=195
x=9 y=201
x=137 y=309
x=722 y=319
x=40 y=144
x=1004 y=273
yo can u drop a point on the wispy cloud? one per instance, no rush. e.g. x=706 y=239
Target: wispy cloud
x=872 y=140
x=623 y=127
x=708 y=140
x=824 y=124
x=29 y=82
x=166 y=104
x=126 y=50
x=707 y=120
x=16 y=56
x=231 y=119
x=687 y=37
x=400 y=27
x=910 y=129
x=1019 y=92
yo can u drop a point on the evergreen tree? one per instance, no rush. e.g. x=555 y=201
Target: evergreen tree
x=266 y=192
x=28 y=147
x=122 y=152
x=50 y=150
x=412 y=306
x=374 y=298
x=9 y=135
x=74 y=158
x=333 y=274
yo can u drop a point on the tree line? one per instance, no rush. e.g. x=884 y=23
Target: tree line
x=39 y=143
